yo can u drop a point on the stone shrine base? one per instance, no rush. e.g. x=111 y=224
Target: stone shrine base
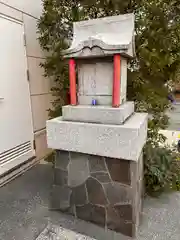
x=104 y=191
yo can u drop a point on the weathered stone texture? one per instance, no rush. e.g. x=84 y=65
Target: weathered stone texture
x=98 y=114
x=120 y=172
x=92 y=213
x=113 y=220
x=116 y=141
x=115 y=223
x=62 y=159
x=96 y=192
x=78 y=169
x=60 y=177
x=79 y=195
x=104 y=191
x=96 y=163
x=95 y=77
x=125 y=211
x=114 y=35
x=117 y=193
x=102 y=177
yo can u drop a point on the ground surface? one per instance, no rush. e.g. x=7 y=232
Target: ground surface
x=174 y=117
x=24 y=214
x=59 y=233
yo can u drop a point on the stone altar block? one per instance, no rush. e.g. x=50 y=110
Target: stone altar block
x=99 y=139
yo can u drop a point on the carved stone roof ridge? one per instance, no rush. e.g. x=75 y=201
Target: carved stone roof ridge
x=111 y=34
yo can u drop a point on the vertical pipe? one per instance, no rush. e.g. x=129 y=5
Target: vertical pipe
x=72 y=79
x=116 y=81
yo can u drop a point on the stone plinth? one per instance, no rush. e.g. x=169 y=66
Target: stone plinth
x=105 y=191
x=118 y=141
x=98 y=114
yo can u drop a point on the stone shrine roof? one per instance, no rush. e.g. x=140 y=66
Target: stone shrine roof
x=103 y=36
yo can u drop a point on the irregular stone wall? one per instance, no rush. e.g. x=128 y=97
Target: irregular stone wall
x=105 y=191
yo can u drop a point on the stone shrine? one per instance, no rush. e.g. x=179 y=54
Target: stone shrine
x=98 y=173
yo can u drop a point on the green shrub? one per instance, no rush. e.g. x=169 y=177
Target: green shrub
x=161 y=169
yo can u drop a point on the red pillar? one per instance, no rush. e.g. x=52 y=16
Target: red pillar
x=72 y=79
x=116 y=81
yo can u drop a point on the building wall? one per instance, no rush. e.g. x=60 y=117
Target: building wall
x=28 y=11
x=30 y=7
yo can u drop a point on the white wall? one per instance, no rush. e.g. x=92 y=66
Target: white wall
x=32 y=7
x=28 y=11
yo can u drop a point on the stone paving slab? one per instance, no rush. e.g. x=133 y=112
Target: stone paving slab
x=53 y=232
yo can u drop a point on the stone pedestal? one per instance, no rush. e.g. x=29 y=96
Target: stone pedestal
x=98 y=174
x=105 y=191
